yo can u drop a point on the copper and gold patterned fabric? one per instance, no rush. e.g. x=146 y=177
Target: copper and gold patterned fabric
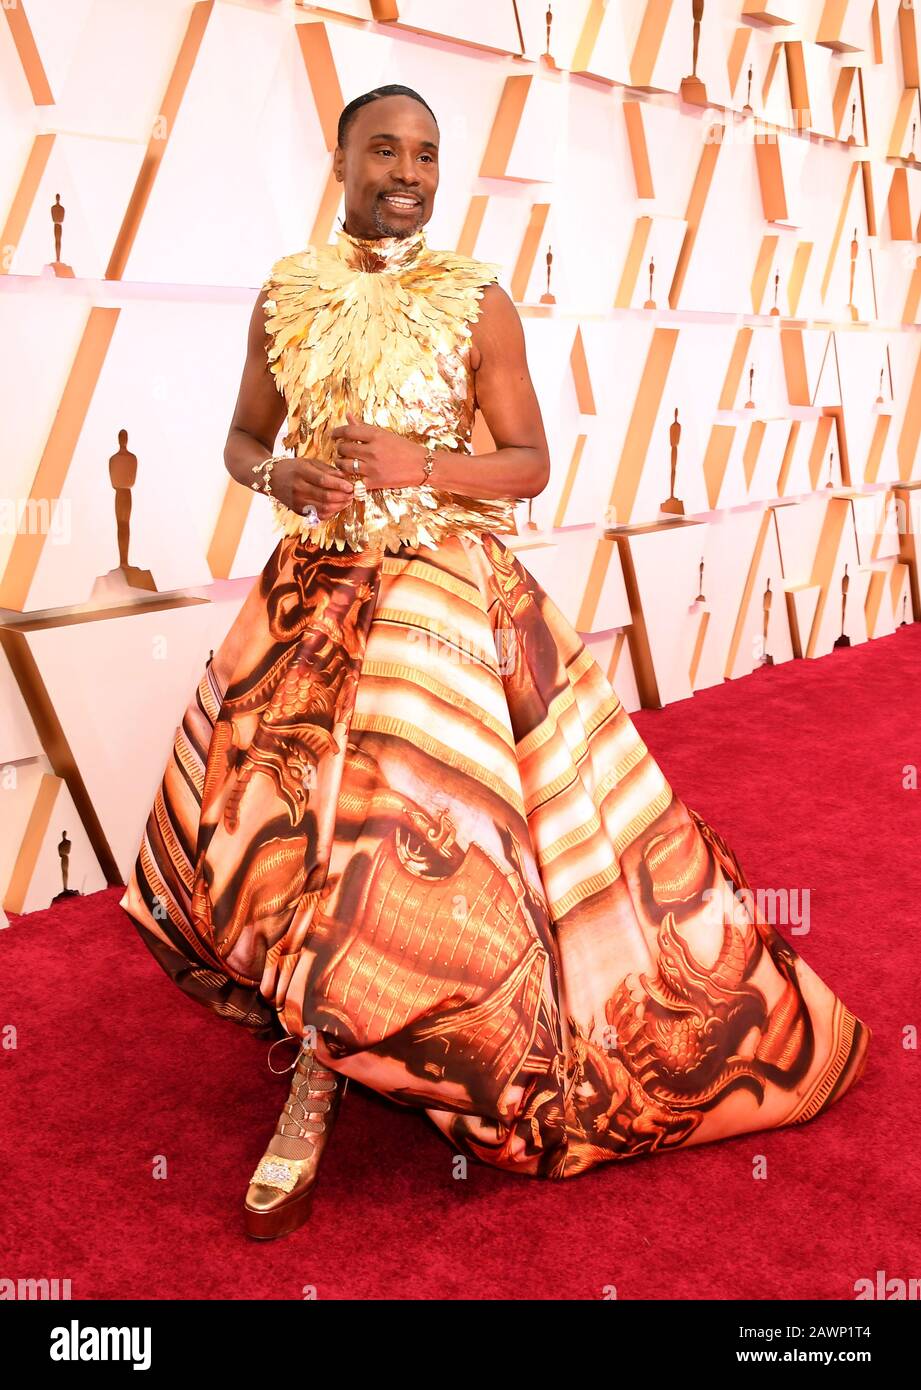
x=405 y=807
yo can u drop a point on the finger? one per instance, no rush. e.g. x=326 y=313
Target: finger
x=334 y=488
x=327 y=478
x=353 y=449
x=357 y=434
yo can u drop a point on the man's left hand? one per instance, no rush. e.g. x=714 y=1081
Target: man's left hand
x=385 y=459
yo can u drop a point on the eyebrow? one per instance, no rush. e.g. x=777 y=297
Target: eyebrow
x=382 y=135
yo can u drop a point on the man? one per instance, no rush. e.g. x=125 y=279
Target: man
x=408 y=823
x=387 y=160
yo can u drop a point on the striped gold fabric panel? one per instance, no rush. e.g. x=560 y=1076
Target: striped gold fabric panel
x=589 y=784
x=430 y=671
x=430 y=675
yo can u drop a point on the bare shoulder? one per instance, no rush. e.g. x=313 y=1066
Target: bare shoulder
x=497 y=329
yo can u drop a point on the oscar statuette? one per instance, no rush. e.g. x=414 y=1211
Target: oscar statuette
x=693 y=90
x=672 y=504
x=843 y=640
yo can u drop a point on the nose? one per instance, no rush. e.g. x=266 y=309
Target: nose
x=407 y=171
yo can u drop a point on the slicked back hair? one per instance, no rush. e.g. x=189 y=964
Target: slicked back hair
x=392 y=89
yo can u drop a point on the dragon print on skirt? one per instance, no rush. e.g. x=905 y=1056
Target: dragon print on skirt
x=406 y=807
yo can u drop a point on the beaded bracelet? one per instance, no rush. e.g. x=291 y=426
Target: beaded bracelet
x=265 y=468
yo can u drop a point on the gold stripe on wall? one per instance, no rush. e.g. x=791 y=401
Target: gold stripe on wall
x=900 y=123
x=786 y=463
x=910 y=433
x=799 y=86
x=839 y=101
x=313 y=40
x=591 y=28
x=770 y=70
x=839 y=230
x=330 y=198
x=473 y=224
x=829 y=545
x=27 y=49
x=696 y=204
x=770 y=180
x=818 y=453
x=829 y=30
x=798 y=274
x=753 y=449
x=560 y=516
x=633 y=263
x=24 y=197
x=908 y=43
x=794 y=365
x=51 y=473
x=639 y=151
x=877 y=33
x=913 y=294
x=875 y=591
x=737 y=52
x=228 y=529
x=698 y=647
x=578 y=362
x=836 y=415
x=730 y=391
x=745 y=600
x=34 y=836
x=530 y=243
x=875 y=451
x=505 y=128
x=648 y=42
x=642 y=420
x=762 y=272
x=616 y=650
x=716 y=461
x=156 y=146
x=899 y=207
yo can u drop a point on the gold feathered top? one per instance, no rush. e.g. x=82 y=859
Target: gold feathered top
x=381 y=328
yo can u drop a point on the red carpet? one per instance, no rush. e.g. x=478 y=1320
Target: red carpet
x=801 y=770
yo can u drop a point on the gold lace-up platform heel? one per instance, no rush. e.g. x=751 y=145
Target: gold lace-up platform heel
x=280 y=1191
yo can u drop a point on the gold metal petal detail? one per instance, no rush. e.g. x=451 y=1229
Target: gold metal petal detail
x=380 y=328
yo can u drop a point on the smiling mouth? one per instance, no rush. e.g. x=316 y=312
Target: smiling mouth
x=402 y=202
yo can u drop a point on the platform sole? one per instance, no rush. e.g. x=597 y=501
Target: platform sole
x=278 y=1221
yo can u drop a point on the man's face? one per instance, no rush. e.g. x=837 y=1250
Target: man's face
x=389 y=168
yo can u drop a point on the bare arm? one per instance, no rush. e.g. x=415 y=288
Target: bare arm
x=257 y=418
x=260 y=408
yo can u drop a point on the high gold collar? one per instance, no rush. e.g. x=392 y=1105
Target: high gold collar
x=388 y=253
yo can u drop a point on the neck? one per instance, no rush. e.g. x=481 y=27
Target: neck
x=388 y=251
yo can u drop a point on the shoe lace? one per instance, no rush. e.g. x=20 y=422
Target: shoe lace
x=305 y=1110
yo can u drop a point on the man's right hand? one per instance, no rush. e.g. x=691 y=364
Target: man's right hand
x=297 y=481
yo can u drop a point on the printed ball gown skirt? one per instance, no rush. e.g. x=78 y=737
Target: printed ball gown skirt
x=406 y=807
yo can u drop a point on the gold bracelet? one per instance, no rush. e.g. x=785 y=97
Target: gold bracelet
x=265 y=469
x=429 y=464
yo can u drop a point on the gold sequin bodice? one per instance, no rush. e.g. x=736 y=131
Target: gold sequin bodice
x=380 y=328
